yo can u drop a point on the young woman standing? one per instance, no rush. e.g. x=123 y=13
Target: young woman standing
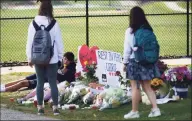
x=137 y=73
x=45 y=17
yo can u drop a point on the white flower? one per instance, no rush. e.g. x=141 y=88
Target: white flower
x=173 y=77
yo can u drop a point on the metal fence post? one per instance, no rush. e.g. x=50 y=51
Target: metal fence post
x=187 y=28
x=87 y=22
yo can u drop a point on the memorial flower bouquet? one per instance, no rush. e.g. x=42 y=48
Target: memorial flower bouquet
x=88 y=73
x=162 y=67
x=178 y=76
x=78 y=76
x=124 y=83
x=156 y=83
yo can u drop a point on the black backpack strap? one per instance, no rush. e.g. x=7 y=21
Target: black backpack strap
x=50 y=26
x=36 y=26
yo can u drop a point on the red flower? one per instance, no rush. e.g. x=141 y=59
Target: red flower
x=179 y=77
x=85 y=69
x=117 y=73
x=77 y=75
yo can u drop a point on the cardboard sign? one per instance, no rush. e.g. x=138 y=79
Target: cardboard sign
x=108 y=63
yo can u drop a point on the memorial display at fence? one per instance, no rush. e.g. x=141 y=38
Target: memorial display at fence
x=98 y=65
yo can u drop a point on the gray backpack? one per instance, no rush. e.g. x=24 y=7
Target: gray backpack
x=42 y=49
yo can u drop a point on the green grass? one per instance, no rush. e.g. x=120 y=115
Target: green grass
x=184 y=5
x=170 y=111
x=105 y=32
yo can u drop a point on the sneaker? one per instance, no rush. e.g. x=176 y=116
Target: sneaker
x=19 y=100
x=154 y=113
x=132 y=115
x=40 y=111
x=56 y=112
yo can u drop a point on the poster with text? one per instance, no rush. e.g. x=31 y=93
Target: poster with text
x=108 y=62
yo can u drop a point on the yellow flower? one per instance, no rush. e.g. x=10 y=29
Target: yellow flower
x=86 y=62
x=155 y=82
x=155 y=79
x=160 y=81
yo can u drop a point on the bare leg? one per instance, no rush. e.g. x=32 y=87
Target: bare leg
x=17 y=86
x=31 y=94
x=136 y=96
x=14 y=82
x=146 y=85
x=47 y=93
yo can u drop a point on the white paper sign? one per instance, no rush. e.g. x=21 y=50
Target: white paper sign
x=108 y=63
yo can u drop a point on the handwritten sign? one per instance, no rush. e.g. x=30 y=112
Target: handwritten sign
x=108 y=62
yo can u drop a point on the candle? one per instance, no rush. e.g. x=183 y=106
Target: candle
x=12 y=99
x=35 y=103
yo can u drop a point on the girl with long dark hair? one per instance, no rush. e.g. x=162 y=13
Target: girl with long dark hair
x=136 y=72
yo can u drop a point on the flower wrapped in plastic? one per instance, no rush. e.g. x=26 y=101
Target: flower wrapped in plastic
x=178 y=76
x=88 y=75
x=111 y=98
x=156 y=83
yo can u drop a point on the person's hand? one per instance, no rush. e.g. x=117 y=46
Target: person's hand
x=64 y=70
x=124 y=67
x=30 y=64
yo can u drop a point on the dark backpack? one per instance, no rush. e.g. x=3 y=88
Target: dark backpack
x=148 y=47
x=42 y=49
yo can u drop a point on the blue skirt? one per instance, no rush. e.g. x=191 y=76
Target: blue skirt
x=138 y=72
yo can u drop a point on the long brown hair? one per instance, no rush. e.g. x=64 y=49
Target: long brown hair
x=137 y=19
x=46 y=8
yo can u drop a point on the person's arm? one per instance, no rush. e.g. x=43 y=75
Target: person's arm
x=59 y=42
x=68 y=73
x=67 y=69
x=127 y=47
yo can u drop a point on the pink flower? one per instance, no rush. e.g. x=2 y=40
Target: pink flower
x=163 y=76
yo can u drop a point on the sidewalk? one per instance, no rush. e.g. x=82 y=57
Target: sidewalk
x=8 y=114
x=7 y=70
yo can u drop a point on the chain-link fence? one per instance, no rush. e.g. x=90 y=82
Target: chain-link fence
x=100 y=23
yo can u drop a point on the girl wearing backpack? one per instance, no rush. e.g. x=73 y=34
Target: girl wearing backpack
x=45 y=18
x=135 y=71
